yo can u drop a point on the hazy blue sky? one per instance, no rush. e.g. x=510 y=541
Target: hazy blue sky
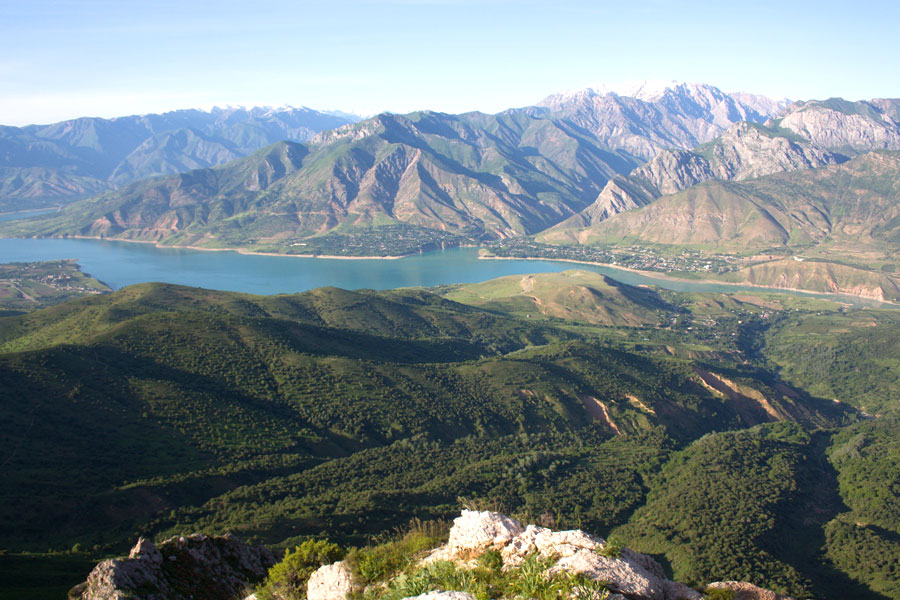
x=67 y=58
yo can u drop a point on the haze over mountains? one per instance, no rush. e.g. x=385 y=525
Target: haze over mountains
x=496 y=175
x=46 y=164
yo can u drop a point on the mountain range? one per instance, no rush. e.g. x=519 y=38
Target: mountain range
x=593 y=169
x=477 y=175
x=53 y=164
x=646 y=118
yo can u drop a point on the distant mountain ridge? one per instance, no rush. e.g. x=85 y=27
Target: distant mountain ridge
x=658 y=116
x=47 y=164
x=474 y=175
x=845 y=126
x=804 y=135
x=744 y=151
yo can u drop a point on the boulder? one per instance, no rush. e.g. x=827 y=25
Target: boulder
x=631 y=574
x=548 y=543
x=473 y=532
x=195 y=566
x=747 y=591
x=634 y=575
x=331 y=582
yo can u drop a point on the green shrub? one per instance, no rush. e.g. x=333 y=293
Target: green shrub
x=489 y=581
x=612 y=548
x=378 y=563
x=719 y=594
x=407 y=586
x=530 y=580
x=491 y=560
x=581 y=587
x=287 y=580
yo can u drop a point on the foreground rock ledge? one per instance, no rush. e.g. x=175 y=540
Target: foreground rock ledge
x=195 y=567
x=629 y=575
x=199 y=567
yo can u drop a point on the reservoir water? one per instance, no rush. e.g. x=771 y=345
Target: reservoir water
x=123 y=263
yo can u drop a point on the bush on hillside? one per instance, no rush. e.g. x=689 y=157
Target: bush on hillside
x=287 y=580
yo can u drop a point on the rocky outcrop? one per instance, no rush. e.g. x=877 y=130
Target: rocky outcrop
x=842 y=125
x=634 y=575
x=747 y=591
x=474 y=532
x=744 y=151
x=747 y=151
x=627 y=574
x=673 y=171
x=195 y=566
x=332 y=582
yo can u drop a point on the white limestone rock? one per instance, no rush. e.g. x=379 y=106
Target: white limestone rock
x=331 y=582
x=747 y=591
x=473 y=532
x=548 y=543
x=631 y=574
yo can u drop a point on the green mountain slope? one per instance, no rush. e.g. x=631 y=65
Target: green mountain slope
x=40 y=187
x=344 y=414
x=751 y=506
x=852 y=357
x=165 y=398
x=582 y=296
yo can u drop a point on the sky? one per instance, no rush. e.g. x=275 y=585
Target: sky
x=61 y=59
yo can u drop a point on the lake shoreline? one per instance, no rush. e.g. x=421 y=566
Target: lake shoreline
x=667 y=277
x=119 y=265
x=244 y=251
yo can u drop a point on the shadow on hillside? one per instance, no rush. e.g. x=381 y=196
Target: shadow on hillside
x=801 y=542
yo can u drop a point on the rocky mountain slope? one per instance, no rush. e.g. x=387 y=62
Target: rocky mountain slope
x=844 y=126
x=644 y=121
x=801 y=207
x=46 y=164
x=743 y=151
x=472 y=175
x=802 y=135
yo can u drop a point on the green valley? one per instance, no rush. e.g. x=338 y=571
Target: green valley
x=570 y=395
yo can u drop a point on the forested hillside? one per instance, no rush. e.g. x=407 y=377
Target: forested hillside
x=344 y=414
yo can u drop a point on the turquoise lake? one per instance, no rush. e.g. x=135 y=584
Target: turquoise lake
x=122 y=263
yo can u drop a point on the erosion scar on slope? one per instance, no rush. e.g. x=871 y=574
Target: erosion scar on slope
x=599 y=412
x=528 y=283
x=747 y=400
